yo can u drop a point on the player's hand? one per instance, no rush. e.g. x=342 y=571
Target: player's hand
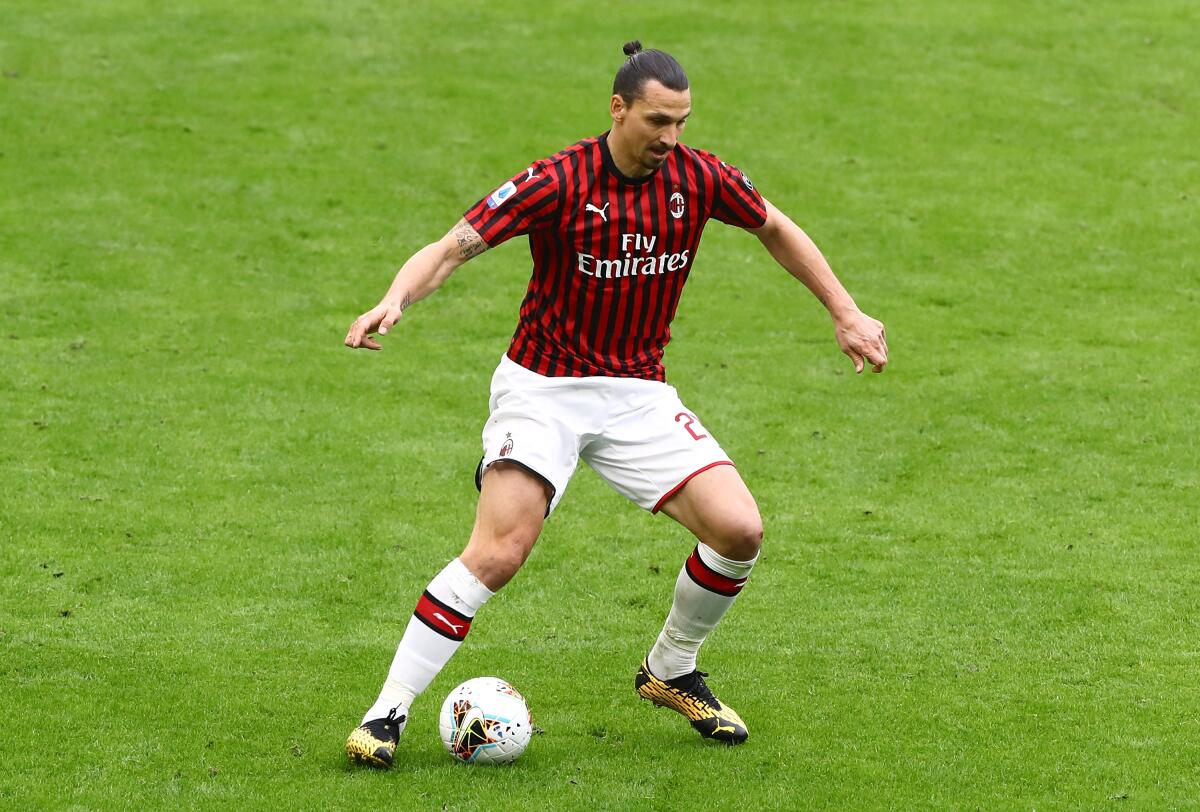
x=378 y=319
x=864 y=340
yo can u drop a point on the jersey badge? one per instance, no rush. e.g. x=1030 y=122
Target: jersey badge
x=500 y=195
x=746 y=182
x=676 y=205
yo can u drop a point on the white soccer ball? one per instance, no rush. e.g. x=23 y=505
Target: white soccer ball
x=485 y=721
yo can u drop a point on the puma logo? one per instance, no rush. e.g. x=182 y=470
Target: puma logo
x=719 y=728
x=454 y=627
x=530 y=176
x=602 y=212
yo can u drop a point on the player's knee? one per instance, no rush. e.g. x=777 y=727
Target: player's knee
x=513 y=548
x=741 y=537
x=495 y=555
x=509 y=548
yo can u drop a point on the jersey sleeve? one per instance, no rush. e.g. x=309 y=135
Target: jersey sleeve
x=526 y=202
x=738 y=202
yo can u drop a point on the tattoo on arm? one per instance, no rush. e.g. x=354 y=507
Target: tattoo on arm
x=470 y=244
x=407 y=301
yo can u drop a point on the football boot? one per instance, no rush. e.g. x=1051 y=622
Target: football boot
x=373 y=743
x=691 y=696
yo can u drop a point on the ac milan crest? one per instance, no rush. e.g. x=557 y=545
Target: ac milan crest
x=676 y=205
x=507 y=448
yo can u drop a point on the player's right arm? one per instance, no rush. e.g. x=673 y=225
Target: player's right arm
x=424 y=273
x=527 y=201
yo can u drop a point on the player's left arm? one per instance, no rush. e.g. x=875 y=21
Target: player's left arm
x=860 y=336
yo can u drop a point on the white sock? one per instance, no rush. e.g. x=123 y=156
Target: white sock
x=435 y=631
x=704 y=590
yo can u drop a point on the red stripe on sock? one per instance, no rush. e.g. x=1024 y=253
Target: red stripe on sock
x=711 y=580
x=441 y=618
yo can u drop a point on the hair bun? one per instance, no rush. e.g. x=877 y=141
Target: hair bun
x=631 y=48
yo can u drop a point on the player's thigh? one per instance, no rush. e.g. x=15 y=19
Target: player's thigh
x=533 y=423
x=508 y=520
x=653 y=446
x=718 y=508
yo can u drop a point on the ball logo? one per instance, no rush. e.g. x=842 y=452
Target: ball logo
x=676 y=205
x=485 y=721
x=500 y=195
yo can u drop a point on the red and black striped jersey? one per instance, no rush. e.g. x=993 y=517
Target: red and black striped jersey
x=610 y=253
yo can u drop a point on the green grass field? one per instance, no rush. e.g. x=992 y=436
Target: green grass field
x=980 y=585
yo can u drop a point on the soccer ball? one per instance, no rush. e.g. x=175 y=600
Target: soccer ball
x=485 y=721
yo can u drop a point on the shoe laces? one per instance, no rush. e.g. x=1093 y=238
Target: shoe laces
x=694 y=683
x=395 y=721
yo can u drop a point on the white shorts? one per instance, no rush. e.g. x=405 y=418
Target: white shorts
x=634 y=433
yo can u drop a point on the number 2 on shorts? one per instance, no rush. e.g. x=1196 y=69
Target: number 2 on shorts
x=689 y=419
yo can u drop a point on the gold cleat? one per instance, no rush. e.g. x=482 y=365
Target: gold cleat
x=690 y=696
x=373 y=743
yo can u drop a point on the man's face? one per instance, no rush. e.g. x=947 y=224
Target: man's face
x=651 y=126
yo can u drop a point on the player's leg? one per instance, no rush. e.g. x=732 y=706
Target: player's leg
x=662 y=458
x=719 y=510
x=512 y=507
x=508 y=520
x=716 y=506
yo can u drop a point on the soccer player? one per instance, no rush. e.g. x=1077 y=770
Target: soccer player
x=614 y=223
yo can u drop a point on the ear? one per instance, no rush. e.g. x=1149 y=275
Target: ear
x=617 y=108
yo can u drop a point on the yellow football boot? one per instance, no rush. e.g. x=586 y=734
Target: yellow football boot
x=691 y=696
x=373 y=743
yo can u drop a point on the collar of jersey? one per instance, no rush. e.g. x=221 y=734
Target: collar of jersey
x=611 y=165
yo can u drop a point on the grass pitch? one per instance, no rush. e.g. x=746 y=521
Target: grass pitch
x=979 y=585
